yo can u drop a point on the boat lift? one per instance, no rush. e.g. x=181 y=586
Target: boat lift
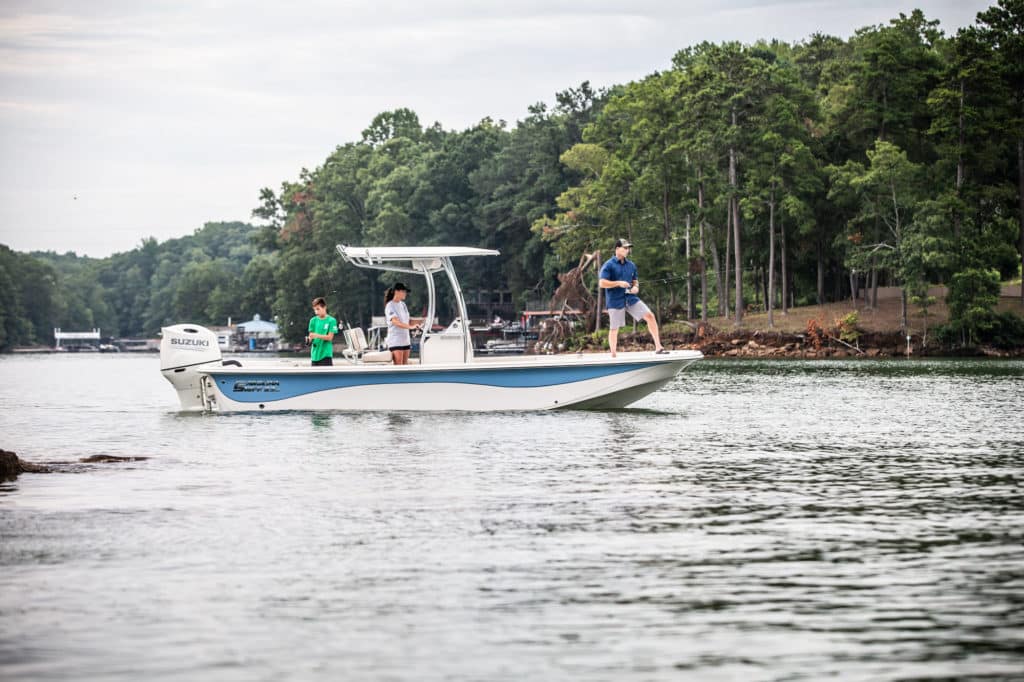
x=59 y=336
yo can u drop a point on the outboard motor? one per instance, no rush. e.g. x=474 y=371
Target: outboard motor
x=183 y=349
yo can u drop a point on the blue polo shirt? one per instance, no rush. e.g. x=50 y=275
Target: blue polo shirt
x=619 y=272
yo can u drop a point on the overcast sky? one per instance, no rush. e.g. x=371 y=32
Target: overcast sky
x=121 y=120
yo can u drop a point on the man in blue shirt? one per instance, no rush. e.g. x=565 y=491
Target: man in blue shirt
x=619 y=280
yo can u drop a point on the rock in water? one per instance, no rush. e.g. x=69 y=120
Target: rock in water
x=94 y=459
x=11 y=466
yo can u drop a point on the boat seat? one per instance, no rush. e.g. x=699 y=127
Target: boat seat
x=358 y=351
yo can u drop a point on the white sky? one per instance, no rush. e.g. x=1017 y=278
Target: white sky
x=122 y=119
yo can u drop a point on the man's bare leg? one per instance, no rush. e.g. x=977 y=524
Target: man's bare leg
x=652 y=325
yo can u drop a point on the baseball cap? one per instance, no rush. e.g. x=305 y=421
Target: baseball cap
x=622 y=242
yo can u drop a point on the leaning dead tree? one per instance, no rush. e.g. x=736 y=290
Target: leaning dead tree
x=573 y=300
x=574 y=297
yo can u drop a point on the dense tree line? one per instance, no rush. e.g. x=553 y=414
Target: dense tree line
x=207 y=277
x=765 y=175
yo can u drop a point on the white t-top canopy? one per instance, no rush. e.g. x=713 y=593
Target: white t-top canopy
x=381 y=254
x=421 y=260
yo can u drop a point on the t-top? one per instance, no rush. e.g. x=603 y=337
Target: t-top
x=619 y=272
x=396 y=335
x=322 y=348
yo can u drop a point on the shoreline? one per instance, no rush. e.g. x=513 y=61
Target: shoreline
x=782 y=345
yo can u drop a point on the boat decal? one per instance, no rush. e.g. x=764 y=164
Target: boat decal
x=256 y=386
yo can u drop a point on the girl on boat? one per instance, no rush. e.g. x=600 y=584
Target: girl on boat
x=399 y=325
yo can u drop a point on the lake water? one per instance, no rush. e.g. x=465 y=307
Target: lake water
x=753 y=520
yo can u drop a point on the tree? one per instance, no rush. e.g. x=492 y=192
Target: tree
x=389 y=125
x=1002 y=27
x=973 y=293
x=894 y=68
x=519 y=184
x=888 y=191
x=782 y=169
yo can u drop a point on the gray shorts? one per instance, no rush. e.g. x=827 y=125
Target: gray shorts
x=617 y=316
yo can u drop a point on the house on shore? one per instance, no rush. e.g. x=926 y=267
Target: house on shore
x=258 y=334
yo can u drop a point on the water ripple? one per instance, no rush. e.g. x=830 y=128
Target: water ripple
x=754 y=520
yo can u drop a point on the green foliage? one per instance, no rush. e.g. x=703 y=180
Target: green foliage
x=31 y=300
x=847 y=327
x=598 y=338
x=973 y=294
x=194 y=278
x=1007 y=330
x=884 y=194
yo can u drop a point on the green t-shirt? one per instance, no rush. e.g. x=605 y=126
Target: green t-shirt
x=322 y=348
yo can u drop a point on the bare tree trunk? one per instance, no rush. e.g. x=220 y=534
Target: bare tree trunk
x=924 y=321
x=853 y=287
x=770 y=297
x=724 y=303
x=738 y=307
x=874 y=287
x=762 y=282
x=736 y=229
x=1020 y=199
x=690 y=311
x=703 y=278
x=903 y=310
x=899 y=259
x=703 y=268
x=821 y=273
x=718 y=272
x=667 y=236
x=785 y=273
x=755 y=276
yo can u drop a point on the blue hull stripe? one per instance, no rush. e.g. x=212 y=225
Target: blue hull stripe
x=268 y=387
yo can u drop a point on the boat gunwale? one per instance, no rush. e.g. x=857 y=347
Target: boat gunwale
x=641 y=358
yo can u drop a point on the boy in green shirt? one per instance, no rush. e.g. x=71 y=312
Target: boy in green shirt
x=322 y=328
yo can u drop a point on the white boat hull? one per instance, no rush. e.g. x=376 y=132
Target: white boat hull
x=485 y=385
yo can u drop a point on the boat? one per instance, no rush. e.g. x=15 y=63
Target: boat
x=499 y=346
x=447 y=376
